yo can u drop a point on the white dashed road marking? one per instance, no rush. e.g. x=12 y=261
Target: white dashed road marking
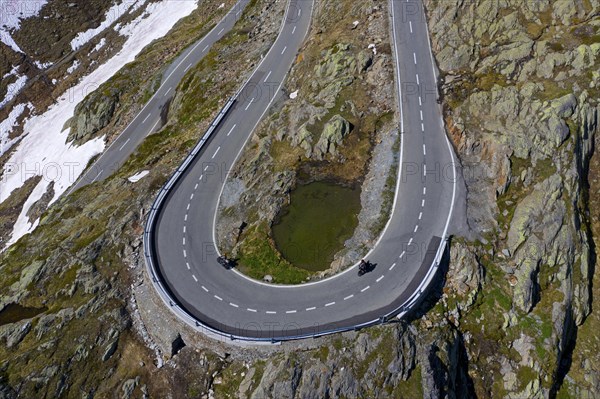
x=392 y=266
x=309 y=309
x=146 y=118
x=124 y=144
x=271 y=312
x=218 y=297
x=380 y=278
x=410 y=25
x=233 y=127
x=249 y=104
x=290 y=311
x=195 y=279
x=251 y=310
x=234 y=305
x=366 y=288
x=267 y=78
x=329 y=304
x=204 y=288
x=349 y=297
x=215 y=154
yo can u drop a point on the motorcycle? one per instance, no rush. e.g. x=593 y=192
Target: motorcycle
x=363 y=267
x=226 y=263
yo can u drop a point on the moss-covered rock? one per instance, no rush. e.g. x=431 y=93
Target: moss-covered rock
x=333 y=133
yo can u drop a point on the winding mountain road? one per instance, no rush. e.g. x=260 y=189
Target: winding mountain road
x=179 y=241
x=149 y=118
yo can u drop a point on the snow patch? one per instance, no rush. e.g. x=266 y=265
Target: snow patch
x=100 y=44
x=111 y=16
x=372 y=46
x=22 y=225
x=11 y=14
x=13 y=89
x=294 y=95
x=44 y=150
x=42 y=66
x=138 y=176
x=8 y=124
x=73 y=67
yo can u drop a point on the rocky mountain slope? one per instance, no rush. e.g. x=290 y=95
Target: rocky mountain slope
x=514 y=314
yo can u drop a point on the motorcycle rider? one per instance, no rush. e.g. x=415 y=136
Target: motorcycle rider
x=362 y=267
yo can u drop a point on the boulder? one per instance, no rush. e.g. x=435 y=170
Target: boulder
x=333 y=133
x=12 y=334
x=94 y=113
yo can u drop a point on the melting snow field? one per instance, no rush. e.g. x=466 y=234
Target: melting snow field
x=13 y=89
x=7 y=126
x=44 y=150
x=11 y=14
x=111 y=16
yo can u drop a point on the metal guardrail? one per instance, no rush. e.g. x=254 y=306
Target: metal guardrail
x=149 y=255
x=188 y=318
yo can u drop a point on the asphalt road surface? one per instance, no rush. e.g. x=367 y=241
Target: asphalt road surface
x=148 y=120
x=225 y=300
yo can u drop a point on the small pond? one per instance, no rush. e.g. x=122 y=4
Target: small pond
x=14 y=312
x=320 y=218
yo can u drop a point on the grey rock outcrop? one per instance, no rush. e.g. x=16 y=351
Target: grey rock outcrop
x=333 y=133
x=13 y=334
x=93 y=114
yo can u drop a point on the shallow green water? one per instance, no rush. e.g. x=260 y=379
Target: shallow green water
x=320 y=217
x=14 y=312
